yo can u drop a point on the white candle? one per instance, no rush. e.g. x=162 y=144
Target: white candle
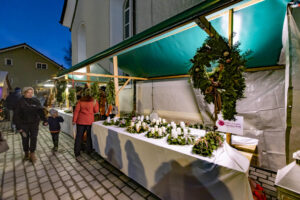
x=144 y=126
x=174 y=126
x=179 y=131
x=137 y=126
x=157 y=123
x=152 y=130
x=182 y=124
x=163 y=129
x=159 y=132
x=154 y=121
x=147 y=117
x=164 y=121
x=115 y=119
x=174 y=133
x=185 y=131
x=132 y=124
x=156 y=128
x=142 y=118
x=159 y=119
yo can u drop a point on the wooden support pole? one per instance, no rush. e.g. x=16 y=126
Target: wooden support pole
x=116 y=82
x=88 y=70
x=67 y=92
x=230 y=28
x=204 y=24
x=124 y=86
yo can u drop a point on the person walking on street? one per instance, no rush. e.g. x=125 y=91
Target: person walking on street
x=28 y=113
x=83 y=118
x=11 y=102
x=54 y=126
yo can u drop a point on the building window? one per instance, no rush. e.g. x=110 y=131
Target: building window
x=39 y=65
x=127 y=19
x=8 y=62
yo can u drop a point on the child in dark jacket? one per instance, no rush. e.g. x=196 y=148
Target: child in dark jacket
x=54 y=127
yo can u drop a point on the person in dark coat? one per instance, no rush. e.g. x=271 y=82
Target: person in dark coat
x=28 y=113
x=10 y=103
x=54 y=126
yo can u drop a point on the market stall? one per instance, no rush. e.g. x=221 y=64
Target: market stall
x=224 y=83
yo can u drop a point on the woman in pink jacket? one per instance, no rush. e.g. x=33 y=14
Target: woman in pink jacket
x=83 y=118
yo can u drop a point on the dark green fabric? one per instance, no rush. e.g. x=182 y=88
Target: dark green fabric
x=257 y=27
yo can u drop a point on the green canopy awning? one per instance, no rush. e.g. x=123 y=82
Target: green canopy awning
x=152 y=54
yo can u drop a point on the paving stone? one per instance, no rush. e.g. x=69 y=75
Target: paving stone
x=97 y=198
x=100 y=177
x=77 y=195
x=108 y=196
x=77 y=178
x=107 y=184
x=69 y=183
x=127 y=190
x=82 y=184
x=95 y=184
x=50 y=195
x=136 y=196
x=23 y=197
x=120 y=184
x=37 y=197
x=46 y=186
x=114 y=190
x=101 y=191
x=88 y=192
x=123 y=196
x=65 y=197
x=21 y=192
x=73 y=189
x=57 y=184
x=133 y=185
x=34 y=191
x=65 y=178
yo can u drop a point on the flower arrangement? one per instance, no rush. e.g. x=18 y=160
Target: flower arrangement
x=207 y=144
x=138 y=127
x=157 y=132
x=180 y=138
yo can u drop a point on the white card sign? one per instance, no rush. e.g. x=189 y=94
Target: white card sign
x=227 y=126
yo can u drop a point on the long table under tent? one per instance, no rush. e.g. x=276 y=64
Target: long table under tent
x=67 y=126
x=173 y=171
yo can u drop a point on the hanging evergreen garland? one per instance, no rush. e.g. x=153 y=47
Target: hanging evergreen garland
x=225 y=84
x=110 y=92
x=60 y=90
x=95 y=91
x=72 y=96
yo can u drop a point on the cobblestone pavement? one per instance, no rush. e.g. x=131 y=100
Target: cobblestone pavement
x=59 y=175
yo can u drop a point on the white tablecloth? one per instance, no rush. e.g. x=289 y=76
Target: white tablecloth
x=67 y=126
x=172 y=171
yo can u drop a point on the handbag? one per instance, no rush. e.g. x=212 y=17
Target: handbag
x=3 y=144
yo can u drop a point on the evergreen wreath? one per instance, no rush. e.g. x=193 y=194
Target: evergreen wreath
x=225 y=84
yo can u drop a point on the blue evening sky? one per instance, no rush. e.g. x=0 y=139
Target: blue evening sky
x=35 y=22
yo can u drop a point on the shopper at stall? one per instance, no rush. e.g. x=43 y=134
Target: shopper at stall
x=27 y=115
x=83 y=118
x=10 y=103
